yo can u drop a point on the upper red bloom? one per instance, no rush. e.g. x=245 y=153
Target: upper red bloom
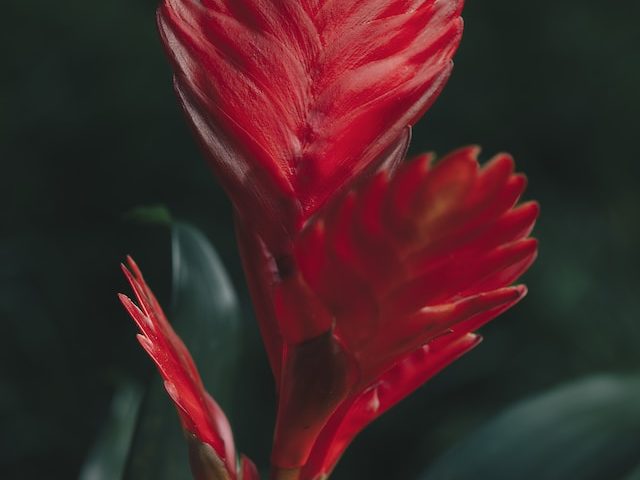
x=293 y=99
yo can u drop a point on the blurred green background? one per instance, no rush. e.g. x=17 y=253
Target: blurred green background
x=90 y=129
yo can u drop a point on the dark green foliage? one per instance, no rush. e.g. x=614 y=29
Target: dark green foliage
x=588 y=430
x=108 y=457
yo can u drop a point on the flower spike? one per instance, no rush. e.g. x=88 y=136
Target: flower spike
x=368 y=275
x=211 y=448
x=291 y=100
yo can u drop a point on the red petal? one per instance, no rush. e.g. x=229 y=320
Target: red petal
x=404 y=378
x=261 y=275
x=463 y=275
x=481 y=319
x=248 y=469
x=409 y=333
x=291 y=100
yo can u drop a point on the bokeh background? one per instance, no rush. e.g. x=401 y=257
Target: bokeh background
x=90 y=130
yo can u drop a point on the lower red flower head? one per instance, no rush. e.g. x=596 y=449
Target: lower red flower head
x=211 y=448
x=382 y=291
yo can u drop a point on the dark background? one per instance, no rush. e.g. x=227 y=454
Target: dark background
x=90 y=129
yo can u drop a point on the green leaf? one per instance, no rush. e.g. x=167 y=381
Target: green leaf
x=587 y=430
x=108 y=456
x=206 y=315
x=634 y=475
x=149 y=214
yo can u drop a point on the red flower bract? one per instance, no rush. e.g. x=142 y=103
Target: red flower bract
x=383 y=290
x=293 y=99
x=211 y=448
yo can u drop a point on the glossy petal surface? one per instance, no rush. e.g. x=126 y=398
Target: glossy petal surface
x=292 y=99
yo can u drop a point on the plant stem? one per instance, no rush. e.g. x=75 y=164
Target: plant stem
x=285 y=474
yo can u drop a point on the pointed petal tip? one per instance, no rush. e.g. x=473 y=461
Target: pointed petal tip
x=518 y=290
x=521 y=180
x=470 y=152
x=524 y=246
x=522 y=290
x=532 y=244
x=535 y=205
x=507 y=294
x=471 y=338
x=531 y=207
x=475 y=340
x=502 y=165
x=124 y=299
x=134 y=268
x=474 y=150
x=124 y=268
x=129 y=305
x=131 y=279
x=171 y=389
x=146 y=344
x=503 y=157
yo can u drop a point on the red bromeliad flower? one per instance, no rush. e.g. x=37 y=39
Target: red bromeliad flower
x=368 y=276
x=292 y=99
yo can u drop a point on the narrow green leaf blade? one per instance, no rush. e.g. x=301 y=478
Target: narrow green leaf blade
x=635 y=474
x=108 y=457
